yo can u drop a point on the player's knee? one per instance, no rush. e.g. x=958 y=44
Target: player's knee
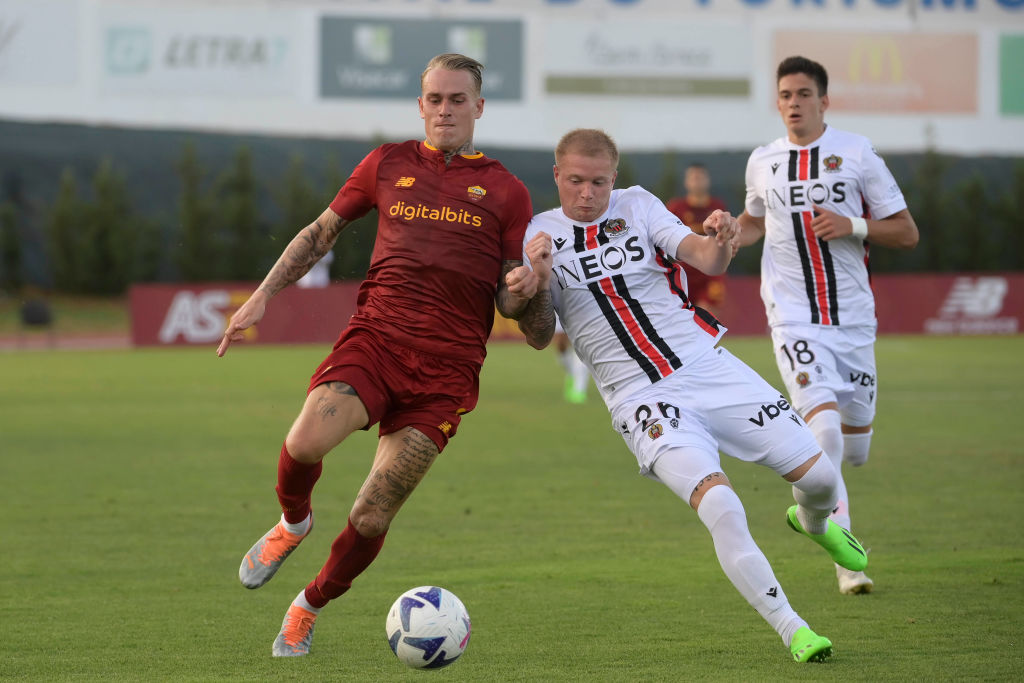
x=856 y=448
x=369 y=522
x=304 y=447
x=818 y=488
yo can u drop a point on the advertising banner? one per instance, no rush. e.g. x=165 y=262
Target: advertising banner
x=953 y=304
x=173 y=314
x=38 y=42
x=383 y=57
x=647 y=58
x=892 y=72
x=165 y=50
x=1011 y=74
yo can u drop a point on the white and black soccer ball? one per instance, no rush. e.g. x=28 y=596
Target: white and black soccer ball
x=428 y=627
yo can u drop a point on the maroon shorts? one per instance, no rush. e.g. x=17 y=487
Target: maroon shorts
x=402 y=387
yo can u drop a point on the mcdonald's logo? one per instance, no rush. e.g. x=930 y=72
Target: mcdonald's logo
x=875 y=59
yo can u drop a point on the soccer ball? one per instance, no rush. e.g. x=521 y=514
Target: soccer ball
x=428 y=627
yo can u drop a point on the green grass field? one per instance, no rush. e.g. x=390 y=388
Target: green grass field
x=135 y=480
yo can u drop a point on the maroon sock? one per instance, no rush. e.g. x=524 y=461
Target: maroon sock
x=295 y=482
x=351 y=553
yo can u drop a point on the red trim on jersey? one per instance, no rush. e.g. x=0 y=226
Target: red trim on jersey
x=805 y=158
x=821 y=289
x=592 y=232
x=633 y=327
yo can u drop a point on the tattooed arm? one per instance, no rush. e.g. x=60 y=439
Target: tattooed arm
x=305 y=249
x=537 y=321
x=514 y=292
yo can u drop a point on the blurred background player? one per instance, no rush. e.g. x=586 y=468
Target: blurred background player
x=819 y=196
x=400 y=362
x=674 y=396
x=577 y=377
x=693 y=208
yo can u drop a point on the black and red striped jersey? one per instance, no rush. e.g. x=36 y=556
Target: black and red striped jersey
x=804 y=279
x=621 y=297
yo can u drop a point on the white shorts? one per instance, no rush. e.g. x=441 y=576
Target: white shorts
x=715 y=402
x=820 y=364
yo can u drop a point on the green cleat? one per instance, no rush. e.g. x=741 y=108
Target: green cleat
x=572 y=394
x=808 y=646
x=840 y=544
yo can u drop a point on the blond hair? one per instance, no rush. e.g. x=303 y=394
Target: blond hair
x=590 y=142
x=451 y=61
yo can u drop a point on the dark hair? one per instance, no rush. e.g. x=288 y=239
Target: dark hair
x=802 y=65
x=451 y=61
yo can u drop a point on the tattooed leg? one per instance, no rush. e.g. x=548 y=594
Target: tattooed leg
x=332 y=411
x=402 y=461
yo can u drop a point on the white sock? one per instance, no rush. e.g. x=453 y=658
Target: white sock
x=565 y=359
x=300 y=528
x=743 y=562
x=579 y=373
x=301 y=601
x=828 y=430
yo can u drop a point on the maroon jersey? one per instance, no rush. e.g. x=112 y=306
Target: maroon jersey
x=701 y=289
x=442 y=234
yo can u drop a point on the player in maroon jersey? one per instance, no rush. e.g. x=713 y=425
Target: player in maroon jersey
x=450 y=228
x=706 y=291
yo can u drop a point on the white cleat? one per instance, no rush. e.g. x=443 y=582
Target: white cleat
x=853 y=583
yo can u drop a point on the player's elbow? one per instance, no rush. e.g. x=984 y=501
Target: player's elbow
x=910 y=238
x=538 y=343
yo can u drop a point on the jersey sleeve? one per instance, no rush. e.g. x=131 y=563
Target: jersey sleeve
x=517 y=216
x=881 y=192
x=359 y=193
x=754 y=202
x=665 y=228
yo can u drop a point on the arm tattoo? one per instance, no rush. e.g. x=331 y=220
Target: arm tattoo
x=305 y=249
x=538 y=320
x=508 y=304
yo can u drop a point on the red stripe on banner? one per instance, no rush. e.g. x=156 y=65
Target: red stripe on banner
x=814 y=250
x=592 y=231
x=804 y=163
x=626 y=316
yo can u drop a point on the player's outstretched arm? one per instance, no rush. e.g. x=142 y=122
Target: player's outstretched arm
x=711 y=252
x=751 y=229
x=305 y=249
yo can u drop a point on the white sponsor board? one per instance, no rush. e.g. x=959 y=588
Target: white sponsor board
x=669 y=58
x=38 y=42
x=218 y=53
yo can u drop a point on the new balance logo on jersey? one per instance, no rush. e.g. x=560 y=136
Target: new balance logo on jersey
x=771 y=411
x=405 y=181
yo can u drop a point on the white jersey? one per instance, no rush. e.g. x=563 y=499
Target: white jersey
x=621 y=297
x=804 y=279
